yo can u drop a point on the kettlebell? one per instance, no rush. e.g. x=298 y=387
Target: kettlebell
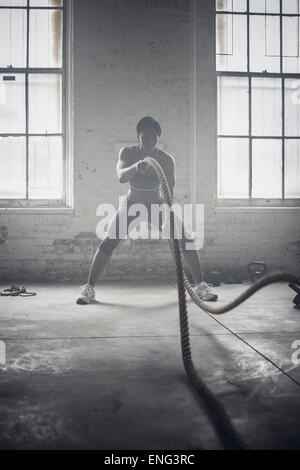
x=257 y=269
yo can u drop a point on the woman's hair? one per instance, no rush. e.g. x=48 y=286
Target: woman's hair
x=148 y=121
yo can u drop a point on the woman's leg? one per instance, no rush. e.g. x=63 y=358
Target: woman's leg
x=110 y=242
x=191 y=259
x=99 y=262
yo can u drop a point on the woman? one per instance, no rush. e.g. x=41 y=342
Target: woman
x=144 y=188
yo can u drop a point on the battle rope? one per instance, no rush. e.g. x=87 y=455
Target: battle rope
x=16 y=290
x=222 y=420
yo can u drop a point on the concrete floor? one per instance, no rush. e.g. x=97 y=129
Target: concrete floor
x=110 y=375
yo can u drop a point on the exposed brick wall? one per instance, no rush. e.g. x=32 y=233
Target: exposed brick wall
x=132 y=58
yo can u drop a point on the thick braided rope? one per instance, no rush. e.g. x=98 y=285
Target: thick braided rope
x=218 y=412
x=262 y=282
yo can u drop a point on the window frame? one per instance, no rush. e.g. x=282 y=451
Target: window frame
x=250 y=201
x=66 y=72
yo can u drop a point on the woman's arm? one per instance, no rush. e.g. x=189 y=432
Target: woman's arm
x=125 y=171
x=168 y=165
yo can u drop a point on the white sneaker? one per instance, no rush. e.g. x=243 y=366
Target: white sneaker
x=204 y=291
x=87 y=294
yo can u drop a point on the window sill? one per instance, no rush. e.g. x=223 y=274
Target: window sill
x=229 y=204
x=255 y=208
x=37 y=210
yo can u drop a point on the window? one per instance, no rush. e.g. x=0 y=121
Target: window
x=33 y=114
x=258 y=88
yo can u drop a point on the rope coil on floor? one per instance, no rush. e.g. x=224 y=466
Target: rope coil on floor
x=231 y=437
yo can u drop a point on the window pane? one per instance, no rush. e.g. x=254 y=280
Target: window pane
x=45 y=103
x=264 y=44
x=292 y=107
x=45 y=41
x=266 y=168
x=13 y=27
x=231 y=5
x=12 y=103
x=264 y=6
x=12 y=167
x=290 y=6
x=233 y=168
x=45 y=167
x=292 y=168
x=266 y=106
x=231 y=43
x=233 y=109
x=46 y=3
x=290 y=44
x=13 y=3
